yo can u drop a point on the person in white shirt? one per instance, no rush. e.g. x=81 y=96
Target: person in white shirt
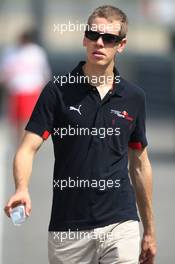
x=24 y=72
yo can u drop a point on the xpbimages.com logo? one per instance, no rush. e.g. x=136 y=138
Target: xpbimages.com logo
x=78 y=235
x=81 y=27
x=101 y=132
x=82 y=79
x=101 y=185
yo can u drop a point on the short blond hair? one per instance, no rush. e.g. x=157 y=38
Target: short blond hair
x=111 y=13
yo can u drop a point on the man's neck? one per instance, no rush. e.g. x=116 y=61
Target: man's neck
x=96 y=71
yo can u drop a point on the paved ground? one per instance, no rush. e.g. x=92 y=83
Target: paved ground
x=28 y=243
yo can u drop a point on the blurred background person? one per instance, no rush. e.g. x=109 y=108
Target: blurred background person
x=24 y=71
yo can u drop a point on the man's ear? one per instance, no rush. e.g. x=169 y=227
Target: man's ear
x=84 y=41
x=121 y=45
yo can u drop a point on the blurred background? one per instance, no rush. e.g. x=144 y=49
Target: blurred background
x=148 y=61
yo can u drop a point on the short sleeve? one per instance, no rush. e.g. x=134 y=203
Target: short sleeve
x=138 y=138
x=42 y=118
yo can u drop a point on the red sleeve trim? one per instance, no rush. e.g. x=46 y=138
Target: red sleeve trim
x=136 y=145
x=45 y=134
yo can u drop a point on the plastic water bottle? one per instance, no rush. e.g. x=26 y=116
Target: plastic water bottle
x=18 y=215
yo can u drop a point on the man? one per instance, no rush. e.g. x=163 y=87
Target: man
x=93 y=129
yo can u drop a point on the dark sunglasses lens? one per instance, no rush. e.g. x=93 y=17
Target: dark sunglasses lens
x=92 y=35
x=109 y=38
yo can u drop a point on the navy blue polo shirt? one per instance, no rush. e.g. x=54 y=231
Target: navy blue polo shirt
x=91 y=136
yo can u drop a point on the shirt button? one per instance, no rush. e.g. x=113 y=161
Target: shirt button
x=94 y=89
x=110 y=92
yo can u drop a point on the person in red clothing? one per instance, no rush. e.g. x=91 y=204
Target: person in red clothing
x=24 y=72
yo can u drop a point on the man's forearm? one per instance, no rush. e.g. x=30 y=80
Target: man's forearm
x=23 y=161
x=141 y=175
x=22 y=168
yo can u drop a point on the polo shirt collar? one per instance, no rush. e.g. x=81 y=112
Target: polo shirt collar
x=118 y=88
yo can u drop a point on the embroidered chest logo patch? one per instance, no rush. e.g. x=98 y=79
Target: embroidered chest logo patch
x=122 y=114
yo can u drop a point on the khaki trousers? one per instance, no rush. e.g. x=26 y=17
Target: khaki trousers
x=112 y=244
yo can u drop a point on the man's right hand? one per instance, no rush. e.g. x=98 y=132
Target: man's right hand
x=20 y=197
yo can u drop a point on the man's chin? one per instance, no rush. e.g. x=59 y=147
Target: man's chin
x=98 y=62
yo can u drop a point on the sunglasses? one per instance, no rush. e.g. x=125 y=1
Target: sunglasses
x=106 y=37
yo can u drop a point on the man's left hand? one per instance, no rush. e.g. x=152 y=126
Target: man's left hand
x=148 y=249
